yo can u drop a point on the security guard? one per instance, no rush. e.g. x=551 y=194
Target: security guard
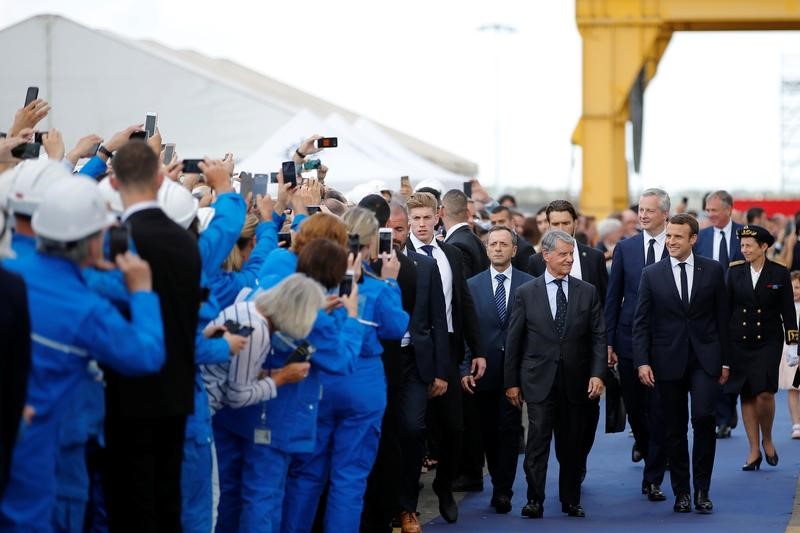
x=762 y=316
x=70 y=326
x=350 y=413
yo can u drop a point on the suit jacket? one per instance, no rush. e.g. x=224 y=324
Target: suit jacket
x=664 y=331
x=492 y=330
x=623 y=286
x=593 y=268
x=472 y=250
x=705 y=244
x=533 y=348
x=465 y=320
x=524 y=252
x=421 y=290
x=174 y=260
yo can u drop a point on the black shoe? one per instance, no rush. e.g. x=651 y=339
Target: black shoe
x=636 y=455
x=532 y=509
x=683 y=503
x=702 y=503
x=447 y=506
x=463 y=484
x=755 y=465
x=724 y=432
x=654 y=493
x=573 y=509
x=645 y=486
x=772 y=460
x=501 y=504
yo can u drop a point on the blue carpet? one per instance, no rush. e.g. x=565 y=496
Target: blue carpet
x=743 y=501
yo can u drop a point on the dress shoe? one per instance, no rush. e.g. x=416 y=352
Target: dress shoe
x=636 y=455
x=447 y=506
x=501 y=504
x=772 y=460
x=724 y=432
x=755 y=465
x=533 y=509
x=409 y=523
x=683 y=503
x=464 y=484
x=573 y=509
x=654 y=493
x=645 y=486
x=702 y=503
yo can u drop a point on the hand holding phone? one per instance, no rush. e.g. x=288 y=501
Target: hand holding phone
x=191 y=166
x=31 y=95
x=118 y=237
x=150 y=124
x=385 y=241
x=289 y=173
x=327 y=142
x=26 y=151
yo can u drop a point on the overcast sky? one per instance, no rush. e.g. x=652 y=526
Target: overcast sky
x=712 y=114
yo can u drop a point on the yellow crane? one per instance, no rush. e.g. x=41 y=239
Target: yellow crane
x=623 y=41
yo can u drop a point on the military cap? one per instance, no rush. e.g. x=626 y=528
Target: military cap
x=757 y=232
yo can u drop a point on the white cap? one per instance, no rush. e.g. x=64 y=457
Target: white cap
x=71 y=210
x=177 y=203
x=432 y=183
x=204 y=216
x=32 y=179
x=361 y=190
x=111 y=195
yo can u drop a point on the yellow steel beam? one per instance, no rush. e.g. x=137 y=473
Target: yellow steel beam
x=622 y=37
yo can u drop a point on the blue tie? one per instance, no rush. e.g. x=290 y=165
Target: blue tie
x=428 y=249
x=723 y=252
x=561 y=309
x=500 y=297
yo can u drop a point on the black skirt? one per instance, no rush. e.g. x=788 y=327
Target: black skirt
x=754 y=368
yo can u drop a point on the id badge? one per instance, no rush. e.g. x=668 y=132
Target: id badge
x=262 y=436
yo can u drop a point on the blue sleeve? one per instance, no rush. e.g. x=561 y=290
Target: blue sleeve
x=337 y=346
x=210 y=351
x=94 y=167
x=391 y=317
x=217 y=241
x=110 y=285
x=279 y=264
x=297 y=220
x=130 y=348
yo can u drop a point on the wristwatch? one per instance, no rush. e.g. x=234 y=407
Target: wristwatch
x=105 y=151
x=299 y=153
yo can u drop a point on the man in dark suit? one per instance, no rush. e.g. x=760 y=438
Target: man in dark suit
x=146 y=416
x=589 y=266
x=445 y=412
x=720 y=242
x=631 y=256
x=681 y=346
x=555 y=360
x=458 y=234
x=498 y=421
x=411 y=366
x=502 y=216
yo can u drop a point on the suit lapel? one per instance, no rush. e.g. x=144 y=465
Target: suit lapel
x=488 y=292
x=572 y=303
x=542 y=294
x=410 y=245
x=586 y=274
x=639 y=258
x=670 y=279
x=516 y=281
x=699 y=273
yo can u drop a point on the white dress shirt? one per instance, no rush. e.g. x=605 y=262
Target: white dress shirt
x=576 y=271
x=454 y=229
x=718 y=237
x=445 y=271
x=506 y=282
x=754 y=275
x=552 y=290
x=138 y=206
x=676 y=272
x=658 y=246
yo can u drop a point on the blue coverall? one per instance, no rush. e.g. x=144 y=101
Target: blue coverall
x=69 y=326
x=349 y=423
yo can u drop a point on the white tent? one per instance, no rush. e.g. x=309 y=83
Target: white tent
x=99 y=82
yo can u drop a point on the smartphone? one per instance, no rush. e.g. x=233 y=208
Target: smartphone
x=405 y=181
x=191 y=166
x=685 y=200
x=150 y=124
x=141 y=135
x=245 y=331
x=169 y=151
x=468 y=189
x=93 y=150
x=117 y=241
x=313 y=209
x=272 y=186
x=385 y=241
x=38 y=136
x=245 y=184
x=327 y=142
x=260 y=182
x=312 y=164
x=353 y=245
x=301 y=355
x=346 y=286
x=285 y=238
x=289 y=173
x=3 y=135
x=26 y=151
x=31 y=95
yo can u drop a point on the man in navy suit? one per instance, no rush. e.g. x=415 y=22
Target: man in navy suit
x=720 y=242
x=499 y=422
x=681 y=346
x=631 y=256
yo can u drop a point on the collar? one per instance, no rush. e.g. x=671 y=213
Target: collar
x=727 y=229
x=660 y=238
x=506 y=272
x=548 y=277
x=418 y=244
x=138 y=206
x=454 y=229
x=689 y=261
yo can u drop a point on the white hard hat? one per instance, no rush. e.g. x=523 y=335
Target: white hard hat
x=111 y=195
x=432 y=183
x=204 y=216
x=177 y=203
x=71 y=210
x=32 y=179
x=362 y=190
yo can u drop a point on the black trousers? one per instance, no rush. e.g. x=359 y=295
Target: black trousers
x=674 y=399
x=725 y=407
x=143 y=489
x=590 y=428
x=556 y=416
x=471 y=467
x=646 y=419
x=500 y=426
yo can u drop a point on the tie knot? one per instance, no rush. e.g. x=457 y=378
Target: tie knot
x=652 y=242
x=558 y=281
x=500 y=278
x=682 y=265
x=428 y=249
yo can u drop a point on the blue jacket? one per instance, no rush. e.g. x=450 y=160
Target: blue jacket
x=69 y=326
x=94 y=167
x=217 y=241
x=380 y=308
x=705 y=244
x=23 y=246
